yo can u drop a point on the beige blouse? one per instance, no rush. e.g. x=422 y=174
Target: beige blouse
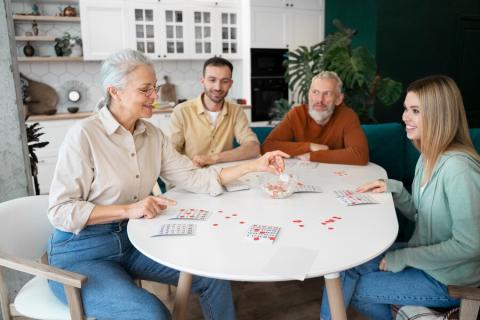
x=100 y=162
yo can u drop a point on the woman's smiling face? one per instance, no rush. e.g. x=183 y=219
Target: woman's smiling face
x=412 y=116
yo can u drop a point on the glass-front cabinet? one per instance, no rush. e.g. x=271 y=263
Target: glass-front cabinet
x=172 y=37
x=158 y=31
x=229 y=27
x=145 y=30
x=168 y=29
x=202 y=25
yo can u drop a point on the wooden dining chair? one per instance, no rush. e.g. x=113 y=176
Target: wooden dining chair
x=469 y=301
x=24 y=232
x=468 y=310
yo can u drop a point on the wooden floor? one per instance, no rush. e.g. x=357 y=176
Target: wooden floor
x=292 y=300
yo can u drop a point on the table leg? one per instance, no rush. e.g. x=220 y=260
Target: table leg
x=181 y=298
x=335 y=296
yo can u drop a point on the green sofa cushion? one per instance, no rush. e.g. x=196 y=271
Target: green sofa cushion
x=475 y=135
x=386 y=147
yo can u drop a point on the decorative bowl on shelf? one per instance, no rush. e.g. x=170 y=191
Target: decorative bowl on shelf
x=72 y=109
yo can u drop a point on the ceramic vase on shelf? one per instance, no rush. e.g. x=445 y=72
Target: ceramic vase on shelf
x=70 y=11
x=28 y=50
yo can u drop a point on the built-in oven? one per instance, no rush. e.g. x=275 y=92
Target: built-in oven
x=267 y=82
x=264 y=92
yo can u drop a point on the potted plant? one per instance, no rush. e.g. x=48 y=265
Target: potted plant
x=33 y=142
x=65 y=45
x=280 y=109
x=357 y=68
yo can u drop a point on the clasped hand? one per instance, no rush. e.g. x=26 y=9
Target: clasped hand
x=271 y=162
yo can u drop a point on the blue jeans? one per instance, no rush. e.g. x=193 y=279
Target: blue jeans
x=104 y=254
x=372 y=291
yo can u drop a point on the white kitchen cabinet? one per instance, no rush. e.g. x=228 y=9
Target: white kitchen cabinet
x=54 y=132
x=157 y=30
x=103 y=25
x=214 y=30
x=162 y=30
x=230 y=29
x=286 y=24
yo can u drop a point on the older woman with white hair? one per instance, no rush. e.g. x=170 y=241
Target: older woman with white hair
x=106 y=168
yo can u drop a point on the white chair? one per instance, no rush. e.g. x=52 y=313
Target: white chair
x=24 y=232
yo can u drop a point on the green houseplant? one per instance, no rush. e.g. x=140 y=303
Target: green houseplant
x=64 y=44
x=363 y=86
x=279 y=110
x=33 y=142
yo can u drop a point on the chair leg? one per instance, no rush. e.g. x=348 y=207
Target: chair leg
x=4 y=299
x=469 y=309
x=74 y=299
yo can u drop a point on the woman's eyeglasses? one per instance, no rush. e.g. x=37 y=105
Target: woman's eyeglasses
x=148 y=92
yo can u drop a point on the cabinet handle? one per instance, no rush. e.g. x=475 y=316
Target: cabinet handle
x=291 y=4
x=286 y=4
x=164 y=55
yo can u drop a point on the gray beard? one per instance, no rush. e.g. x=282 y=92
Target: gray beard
x=321 y=117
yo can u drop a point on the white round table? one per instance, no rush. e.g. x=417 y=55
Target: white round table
x=219 y=249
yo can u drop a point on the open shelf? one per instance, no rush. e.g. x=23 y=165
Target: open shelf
x=21 y=17
x=50 y=1
x=48 y=59
x=34 y=38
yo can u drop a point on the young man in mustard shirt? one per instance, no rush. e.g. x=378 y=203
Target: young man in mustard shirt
x=204 y=128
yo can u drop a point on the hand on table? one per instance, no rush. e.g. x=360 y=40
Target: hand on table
x=317 y=147
x=271 y=162
x=304 y=157
x=149 y=207
x=204 y=160
x=377 y=186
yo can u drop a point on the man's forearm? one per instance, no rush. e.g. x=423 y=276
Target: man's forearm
x=248 y=150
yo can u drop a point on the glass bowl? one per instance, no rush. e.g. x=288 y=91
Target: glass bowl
x=276 y=187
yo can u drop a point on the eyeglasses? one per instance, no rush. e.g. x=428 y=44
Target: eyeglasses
x=148 y=92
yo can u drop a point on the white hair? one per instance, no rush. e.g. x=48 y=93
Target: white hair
x=329 y=75
x=117 y=67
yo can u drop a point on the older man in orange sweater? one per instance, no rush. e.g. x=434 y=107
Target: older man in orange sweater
x=325 y=130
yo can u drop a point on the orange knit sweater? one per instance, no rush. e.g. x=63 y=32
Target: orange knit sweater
x=342 y=134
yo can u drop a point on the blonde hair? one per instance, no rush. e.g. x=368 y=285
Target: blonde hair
x=329 y=75
x=444 y=123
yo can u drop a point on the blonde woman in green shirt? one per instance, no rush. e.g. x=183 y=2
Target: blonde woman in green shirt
x=445 y=246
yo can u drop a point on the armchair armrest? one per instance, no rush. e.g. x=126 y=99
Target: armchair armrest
x=460 y=292
x=43 y=270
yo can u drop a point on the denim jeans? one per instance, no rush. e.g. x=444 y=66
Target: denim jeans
x=105 y=255
x=372 y=292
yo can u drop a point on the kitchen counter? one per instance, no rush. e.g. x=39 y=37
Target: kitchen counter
x=81 y=115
